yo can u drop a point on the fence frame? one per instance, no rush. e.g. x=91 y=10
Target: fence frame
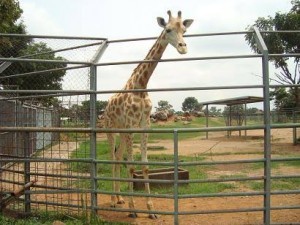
x=93 y=130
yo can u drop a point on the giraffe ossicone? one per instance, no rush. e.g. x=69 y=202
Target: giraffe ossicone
x=133 y=109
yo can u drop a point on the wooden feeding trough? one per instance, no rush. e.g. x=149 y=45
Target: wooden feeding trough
x=159 y=174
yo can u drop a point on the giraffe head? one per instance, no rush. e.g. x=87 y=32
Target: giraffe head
x=174 y=30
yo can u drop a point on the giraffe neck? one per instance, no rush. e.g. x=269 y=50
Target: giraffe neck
x=142 y=73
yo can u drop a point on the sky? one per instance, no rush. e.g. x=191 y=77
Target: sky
x=117 y=19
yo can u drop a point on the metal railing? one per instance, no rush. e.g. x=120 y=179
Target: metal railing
x=95 y=179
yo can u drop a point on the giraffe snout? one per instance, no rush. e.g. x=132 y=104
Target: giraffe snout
x=181 y=48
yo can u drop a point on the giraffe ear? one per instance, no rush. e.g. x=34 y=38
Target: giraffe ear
x=161 y=22
x=187 y=23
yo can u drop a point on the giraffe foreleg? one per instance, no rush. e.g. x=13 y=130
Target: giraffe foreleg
x=112 y=145
x=119 y=157
x=129 y=142
x=115 y=198
x=145 y=169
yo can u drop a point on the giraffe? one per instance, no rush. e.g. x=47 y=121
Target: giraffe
x=132 y=109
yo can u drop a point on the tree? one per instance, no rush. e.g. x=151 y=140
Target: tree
x=282 y=43
x=10 y=12
x=234 y=113
x=213 y=111
x=283 y=99
x=163 y=105
x=191 y=104
x=49 y=81
x=85 y=108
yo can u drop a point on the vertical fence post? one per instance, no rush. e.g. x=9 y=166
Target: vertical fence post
x=176 y=160
x=93 y=125
x=206 y=123
x=245 y=119
x=93 y=137
x=267 y=128
x=27 y=170
x=295 y=128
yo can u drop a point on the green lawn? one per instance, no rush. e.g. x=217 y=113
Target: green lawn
x=44 y=218
x=104 y=170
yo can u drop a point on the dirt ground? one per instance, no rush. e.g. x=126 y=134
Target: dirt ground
x=215 y=148
x=218 y=147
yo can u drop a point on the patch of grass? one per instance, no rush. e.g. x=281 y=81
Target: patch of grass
x=275 y=165
x=255 y=185
x=197 y=122
x=156 y=148
x=196 y=172
x=288 y=163
x=278 y=184
x=286 y=184
x=47 y=218
x=260 y=165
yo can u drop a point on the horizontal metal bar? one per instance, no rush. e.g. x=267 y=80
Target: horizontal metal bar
x=10 y=170
x=59 y=175
x=60 y=93
x=202 y=35
x=179 y=181
x=38 y=96
x=290 y=192
x=217 y=195
x=181 y=89
x=285 y=207
x=12 y=182
x=77 y=206
x=135 y=194
x=285 y=125
x=218 y=211
x=178 y=59
x=285 y=55
x=39 y=73
x=197 y=163
x=135 y=180
x=44 y=61
x=218 y=34
x=280 y=31
x=135 y=210
x=283 y=223
x=285 y=176
x=58 y=191
x=143 y=130
x=78 y=92
x=284 y=85
x=62 y=49
x=219 y=180
x=132 y=90
x=48 y=91
x=51 y=37
x=187 y=36
x=140 y=39
x=45 y=129
x=285 y=159
x=83 y=160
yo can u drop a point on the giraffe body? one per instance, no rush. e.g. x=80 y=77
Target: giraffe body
x=133 y=109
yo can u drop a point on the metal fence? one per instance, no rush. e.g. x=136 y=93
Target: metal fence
x=67 y=171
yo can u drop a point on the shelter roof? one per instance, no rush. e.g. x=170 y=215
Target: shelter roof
x=234 y=101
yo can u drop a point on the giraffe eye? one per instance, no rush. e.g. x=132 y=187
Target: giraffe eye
x=168 y=30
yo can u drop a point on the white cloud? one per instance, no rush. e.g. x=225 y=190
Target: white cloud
x=38 y=20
